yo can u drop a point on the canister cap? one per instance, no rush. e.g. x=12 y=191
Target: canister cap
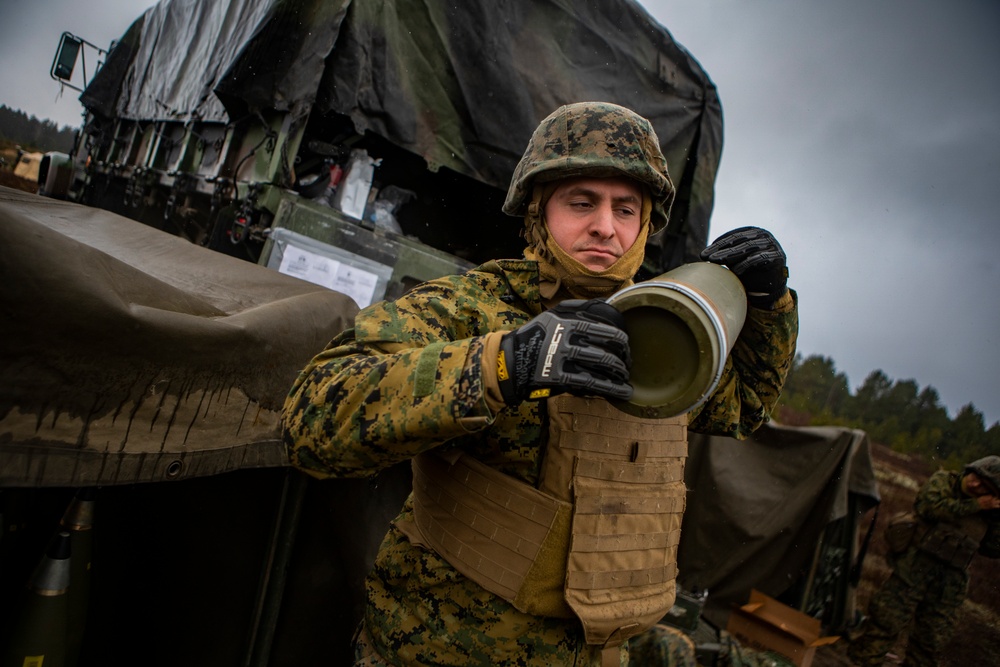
x=681 y=327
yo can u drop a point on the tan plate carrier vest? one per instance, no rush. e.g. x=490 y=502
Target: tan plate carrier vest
x=598 y=538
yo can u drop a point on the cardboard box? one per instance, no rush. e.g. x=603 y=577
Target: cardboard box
x=764 y=624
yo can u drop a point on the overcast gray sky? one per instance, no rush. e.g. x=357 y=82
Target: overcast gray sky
x=864 y=133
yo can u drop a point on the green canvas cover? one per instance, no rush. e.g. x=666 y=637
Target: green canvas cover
x=131 y=355
x=758 y=511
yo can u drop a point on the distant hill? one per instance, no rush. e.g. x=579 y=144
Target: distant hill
x=16 y=127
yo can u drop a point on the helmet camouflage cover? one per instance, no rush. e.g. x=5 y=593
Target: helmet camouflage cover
x=593 y=139
x=988 y=469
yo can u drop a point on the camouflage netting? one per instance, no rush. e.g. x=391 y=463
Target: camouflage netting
x=462 y=85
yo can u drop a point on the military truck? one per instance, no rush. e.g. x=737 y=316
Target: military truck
x=386 y=131
x=247 y=176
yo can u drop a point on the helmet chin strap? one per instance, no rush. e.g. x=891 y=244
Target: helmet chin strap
x=561 y=272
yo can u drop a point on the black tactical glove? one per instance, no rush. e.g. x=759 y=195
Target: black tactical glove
x=758 y=261
x=577 y=347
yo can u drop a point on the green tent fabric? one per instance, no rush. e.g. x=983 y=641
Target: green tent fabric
x=758 y=509
x=131 y=355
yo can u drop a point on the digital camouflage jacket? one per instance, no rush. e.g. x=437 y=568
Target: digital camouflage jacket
x=941 y=502
x=407 y=379
x=930 y=578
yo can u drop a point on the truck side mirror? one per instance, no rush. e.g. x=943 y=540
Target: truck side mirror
x=65 y=60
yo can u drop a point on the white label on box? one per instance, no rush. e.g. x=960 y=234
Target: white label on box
x=338 y=276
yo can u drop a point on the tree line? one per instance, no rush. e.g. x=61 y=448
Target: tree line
x=896 y=413
x=33 y=134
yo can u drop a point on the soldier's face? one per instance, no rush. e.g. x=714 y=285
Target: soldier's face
x=974 y=486
x=595 y=220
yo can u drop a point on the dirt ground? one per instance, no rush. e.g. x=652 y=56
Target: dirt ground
x=8 y=179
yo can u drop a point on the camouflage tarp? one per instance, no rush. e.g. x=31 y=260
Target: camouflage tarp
x=130 y=355
x=461 y=84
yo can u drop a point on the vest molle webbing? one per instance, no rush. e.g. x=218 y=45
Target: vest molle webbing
x=597 y=540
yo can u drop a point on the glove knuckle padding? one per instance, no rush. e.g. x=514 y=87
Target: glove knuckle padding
x=597 y=362
x=577 y=346
x=593 y=344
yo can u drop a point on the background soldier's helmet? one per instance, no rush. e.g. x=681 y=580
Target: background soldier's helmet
x=988 y=469
x=593 y=139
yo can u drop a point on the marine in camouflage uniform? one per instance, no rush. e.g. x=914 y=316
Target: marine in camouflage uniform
x=958 y=516
x=419 y=374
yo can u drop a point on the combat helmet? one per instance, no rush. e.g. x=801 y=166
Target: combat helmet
x=988 y=469
x=593 y=139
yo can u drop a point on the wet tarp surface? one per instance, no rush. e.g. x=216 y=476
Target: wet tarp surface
x=757 y=508
x=131 y=355
x=461 y=84
x=166 y=65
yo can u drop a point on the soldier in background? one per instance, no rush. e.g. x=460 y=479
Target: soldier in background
x=494 y=383
x=956 y=515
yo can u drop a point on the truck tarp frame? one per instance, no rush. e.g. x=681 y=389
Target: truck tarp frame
x=460 y=84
